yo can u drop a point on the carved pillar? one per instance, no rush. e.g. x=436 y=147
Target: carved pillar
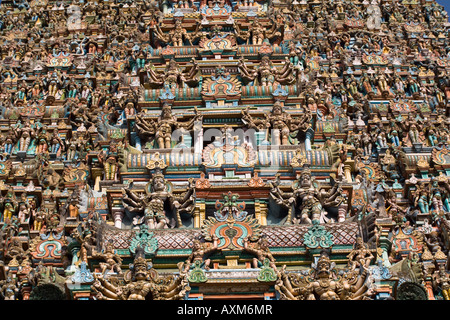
x=74 y=248
x=349 y=164
x=199 y=214
x=309 y=136
x=97 y=175
x=429 y=288
x=198 y=138
x=342 y=211
x=261 y=212
x=385 y=246
x=118 y=216
x=26 y=290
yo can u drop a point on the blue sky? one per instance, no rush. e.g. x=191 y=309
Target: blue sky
x=445 y=3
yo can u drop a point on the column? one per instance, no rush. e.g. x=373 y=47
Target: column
x=309 y=137
x=118 y=216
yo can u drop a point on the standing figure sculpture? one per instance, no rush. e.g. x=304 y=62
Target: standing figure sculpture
x=307 y=201
x=25 y=134
x=282 y=125
x=163 y=128
x=173 y=77
x=155 y=207
x=141 y=282
x=266 y=74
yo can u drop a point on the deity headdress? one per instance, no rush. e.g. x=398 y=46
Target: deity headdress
x=306 y=171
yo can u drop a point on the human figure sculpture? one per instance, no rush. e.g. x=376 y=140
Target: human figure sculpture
x=173 y=77
x=323 y=284
x=360 y=256
x=201 y=252
x=142 y=281
x=261 y=251
x=25 y=134
x=163 y=128
x=309 y=200
x=280 y=123
x=9 y=289
x=56 y=143
x=158 y=199
x=266 y=73
x=112 y=260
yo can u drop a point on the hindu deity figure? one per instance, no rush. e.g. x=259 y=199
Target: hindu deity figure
x=109 y=159
x=308 y=200
x=256 y=32
x=141 y=282
x=366 y=83
x=421 y=198
x=441 y=280
x=382 y=82
x=413 y=127
x=281 y=125
x=25 y=133
x=261 y=251
x=176 y=37
x=159 y=205
x=323 y=283
x=266 y=73
x=9 y=288
x=434 y=243
x=39 y=217
x=201 y=252
x=24 y=209
x=360 y=256
x=173 y=76
x=437 y=197
x=9 y=142
x=56 y=143
x=42 y=142
x=163 y=128
x=9 y=205
x=74 y=145
x=389 y=164
x=112 y=260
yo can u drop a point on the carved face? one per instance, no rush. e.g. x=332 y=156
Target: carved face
x=158 y=184
x=305 y=180
x=140 y=271
x=323 y=269
x=166 y=113
x=276 y=110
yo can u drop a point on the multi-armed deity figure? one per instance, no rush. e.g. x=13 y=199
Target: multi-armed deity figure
x=163 y=128
x=173 y=76
x=141 y=282
x=256 y=32
x=324 y=283
x=176 y=36
x=266 y=74
x=159 y=208
x=281 y=124
x=307 y=201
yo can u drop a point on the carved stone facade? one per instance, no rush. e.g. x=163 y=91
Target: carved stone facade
x=171 y=150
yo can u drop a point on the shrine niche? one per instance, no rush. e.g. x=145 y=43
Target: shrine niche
x=231 y=225
x=229 y=150
x=221 y=87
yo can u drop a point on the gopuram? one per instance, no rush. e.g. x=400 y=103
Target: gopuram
x=222 y=149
